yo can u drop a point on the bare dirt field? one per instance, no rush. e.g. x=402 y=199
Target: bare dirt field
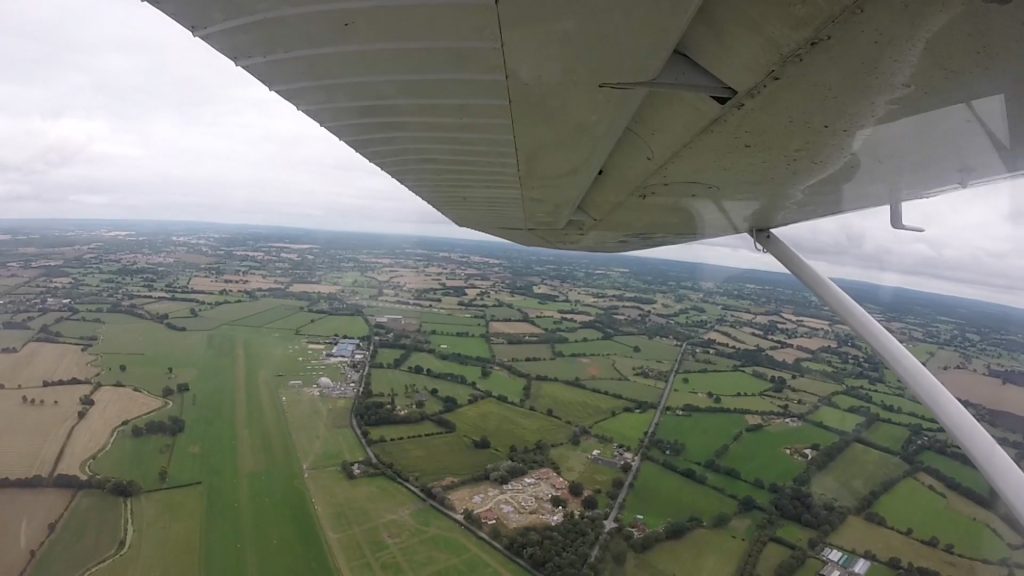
x=790 y=355
x=984 y=390
x=31 y=435
x=811 y=343
x=113 y=406
x=232 y=283
x=26 y=513
x=39 y=361
x=314 y=288
x=514 y=328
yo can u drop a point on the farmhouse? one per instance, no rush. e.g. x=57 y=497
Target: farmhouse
x=840 y=563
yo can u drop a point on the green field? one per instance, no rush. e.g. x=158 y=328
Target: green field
x=847 y=402
x=725 y=483
x=267 y=316
x=910 y=504
x=702 y=433
x=387 y=356
x=907 y=405
x=761 y=454
x=166 y=540
x=571 y=368
x=628 y=389
x=575 y=464
x=88 y=533
x=231 y=313
x=812 y=566
x=438 y=318
x=168 y=307
x=583 y=334
x=504 y=313
x=857 y=535
x=592 y=348
x=660 y=495
x=572 y=404
x=679 y=399
x=344 y=326
x=963 y=473
x=15 y=338
x=507 y=425
x=513 y=352
x=320 y=429
x=385 y=381
x=887 y=435
x=650 y=349
x=794 y=533
x=499 y=382
x=856 y=472
x=555 y=324
x=434 y=458
x=399 y=431
x=699 y=553
x=294 y=321
x=772 y=555
x=75 y=329
x=46 y=318
x=375 y=527
x=253 y=514
x=452 y=329
x=835 y=418
x=816 y=387
x=721 y=383
x=627 y=428
x=462 y=345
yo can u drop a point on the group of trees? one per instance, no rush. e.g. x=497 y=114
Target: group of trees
x=115 y=486
x=33 y=402
x=797 y=504
x=172 y=426
x=560 y=550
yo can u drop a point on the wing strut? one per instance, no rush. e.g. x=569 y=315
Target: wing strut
x=994 y=463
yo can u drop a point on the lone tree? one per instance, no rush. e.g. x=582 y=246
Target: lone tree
x=122 y=368
x=170 y=370
x=589 y=502
x=24 y=399
x=167 y=391
x=576 y=489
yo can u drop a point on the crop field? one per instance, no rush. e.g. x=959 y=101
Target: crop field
x=626 y=428
x=660 y=495
x=26 y=513
x=88 y=533
x=406 y=384
x=377 y=528
x=582 y=334
x=507 y=425
x=812 y=386
x=512 y=352
x=963 y=473
x=761 y=454
x=858 y=535
x=856 y=472
x=638 y=391
x=599 y=368
x=168 y=307
x=721 y=383
x=254 y=514
x=452 y=329
x=980 y=389
x=835 y=418
x=114 y=405
x=501 y=382
x=702 y=433
x=165 y=539
x=747 y=338
x=846 y=402
x=593 y=348
x=794 y=533
x=502 y=327
x=707 y=553
x=320 y=429
x=350 y=326
x=465 y=346
x=910 y=504
x=650 y=349
x=399 y=431
x=46 y=318
x=573 y=404
x=731 y=486
x=575 y=464
x=437 y=457
x=31 y=434
x=38 y=361
x=504 y=313
x=908 y=406
x=887 y=435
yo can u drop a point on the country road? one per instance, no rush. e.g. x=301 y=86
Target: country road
x=609 y=522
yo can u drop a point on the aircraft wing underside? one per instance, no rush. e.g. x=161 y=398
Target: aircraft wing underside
x=610 y=125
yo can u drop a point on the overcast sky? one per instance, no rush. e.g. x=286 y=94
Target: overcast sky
x=108 y=109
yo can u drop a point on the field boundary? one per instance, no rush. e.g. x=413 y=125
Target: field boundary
x=86 y=465
x=49 y=534
x=127 y=531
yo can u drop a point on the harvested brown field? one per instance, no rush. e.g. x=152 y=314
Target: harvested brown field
x=790 y=355
x=724 y=340
x=984 y=390
x=811 y=343
x=232 y=283
x=114 y=405
x=314 y=288
x=27 y=512
x=514 y=328
x=31 y=435
x=39 y=361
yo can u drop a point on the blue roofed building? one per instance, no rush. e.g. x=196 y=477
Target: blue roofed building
x=344 y=348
